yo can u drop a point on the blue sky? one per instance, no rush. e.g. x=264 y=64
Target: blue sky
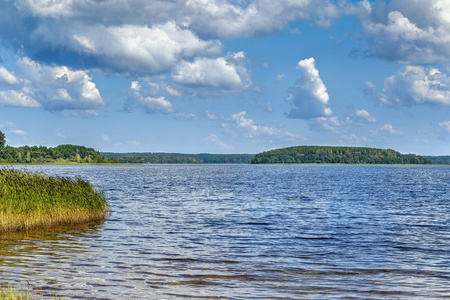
x=226 y=76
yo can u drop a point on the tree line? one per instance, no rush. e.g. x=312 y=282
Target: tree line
x=179 y=158
x=439 y=160
x=336 y=155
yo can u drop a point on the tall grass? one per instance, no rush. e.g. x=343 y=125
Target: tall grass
x=10 y=293
x=33 y=200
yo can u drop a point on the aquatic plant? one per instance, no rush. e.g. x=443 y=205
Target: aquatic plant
x=10 y=293
x=33 y=200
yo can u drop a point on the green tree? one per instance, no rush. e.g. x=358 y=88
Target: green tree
x=2 y=140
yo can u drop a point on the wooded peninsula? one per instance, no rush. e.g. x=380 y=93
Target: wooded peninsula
x=336 y=155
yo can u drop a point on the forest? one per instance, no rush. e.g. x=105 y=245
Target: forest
x=179 y=158
x=62 y=154
x=336 y=155
x=439 y=160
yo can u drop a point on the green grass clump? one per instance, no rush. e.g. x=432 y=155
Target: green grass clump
x=33 y=200
x=10 y=293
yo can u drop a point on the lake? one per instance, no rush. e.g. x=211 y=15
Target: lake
x=246 y=232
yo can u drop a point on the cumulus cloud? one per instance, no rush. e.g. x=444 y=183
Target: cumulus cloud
x=361 y=116
x=216 y=18
x=17 y=98
x=50 y=87
x=326 y=124
x=126 y=48
x=136 y=95
x=7 y=78
x=233 y=19
x=142 y=49
x=144 y=36
x=223 y=74
x=214 y=139
x=416 y=32
x=387 y=129
x=413 y=85
x=57 y=88
x=309 y=97
x=241 y=122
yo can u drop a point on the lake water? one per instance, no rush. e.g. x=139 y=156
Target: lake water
x=247 y=232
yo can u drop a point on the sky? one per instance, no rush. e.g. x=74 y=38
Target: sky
x=226 y=76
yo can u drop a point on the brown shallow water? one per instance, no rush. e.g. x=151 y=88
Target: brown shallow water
x=246 y=232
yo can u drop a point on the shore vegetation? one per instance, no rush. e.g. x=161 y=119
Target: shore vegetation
x=336 y=155
x=10 y=293
x=33 y=200
x=178 y=158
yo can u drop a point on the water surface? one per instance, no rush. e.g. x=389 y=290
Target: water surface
x=247 y=232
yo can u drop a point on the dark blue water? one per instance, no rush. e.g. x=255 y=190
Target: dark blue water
x=247 y=232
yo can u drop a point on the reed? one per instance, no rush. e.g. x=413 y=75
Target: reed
x=33 y=200
x=10 y=293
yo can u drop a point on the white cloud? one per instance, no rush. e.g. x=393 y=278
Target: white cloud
x=210 y=115
x=241 y=122
x=224 y=74
x=214 y=139
x=18 y=132
x=150 y=104
x=361 y=116
x=416 y=32
x=59 y=134
x=135 y=143
x=46 y=8
x=268 y=106
x=138 y=48
x=90 y=113
x=7 y=78
x=309 y=97
x=6 y=124
x=216 y=18
x=445 y=126
x=17 y=98
x=233 y=19
x=326 y=124
x=369 y=88
x=105 y=138
x=416 y=85
x=387 y=129
x=53 y=88
x=186 y=116
x=280 y=77
x=352 y=139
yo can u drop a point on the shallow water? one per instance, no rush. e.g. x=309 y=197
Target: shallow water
x=247 y=232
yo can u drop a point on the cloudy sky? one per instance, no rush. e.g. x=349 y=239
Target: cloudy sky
x=226 y=76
